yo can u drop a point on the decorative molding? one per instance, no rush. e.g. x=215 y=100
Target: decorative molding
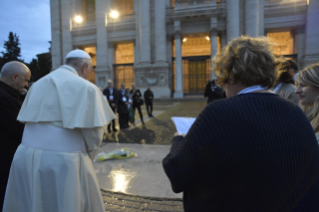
x=152 y=79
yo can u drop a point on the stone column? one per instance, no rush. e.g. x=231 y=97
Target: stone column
x=213 y=41
x=232 y=23
x=56 y=48
x=160 y=33
x=137 y=33
x=254 y=18
x=301 y=45
x=223 y=39
x=66 y=14
x=145 y=32
x=178 y=61
x=102 y=71
x=111 y=57
x=261 y=18
x=312 y=34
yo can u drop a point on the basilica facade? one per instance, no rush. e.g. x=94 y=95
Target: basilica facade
x=169 y=44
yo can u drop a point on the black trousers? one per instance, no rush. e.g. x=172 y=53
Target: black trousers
x=139 y=111
x=123 y=120
x=113 y=121
x=149 y=107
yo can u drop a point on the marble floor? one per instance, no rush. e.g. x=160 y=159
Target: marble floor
x=141 y=175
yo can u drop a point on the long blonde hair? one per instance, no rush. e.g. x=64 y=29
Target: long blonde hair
x=310 y=77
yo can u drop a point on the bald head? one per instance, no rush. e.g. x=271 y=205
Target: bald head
x=15 y=74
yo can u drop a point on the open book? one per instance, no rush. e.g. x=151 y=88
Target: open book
x=183 y=124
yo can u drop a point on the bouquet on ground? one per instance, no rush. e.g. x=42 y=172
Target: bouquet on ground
x=115 y=154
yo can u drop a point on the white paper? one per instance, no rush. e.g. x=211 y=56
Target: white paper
x=183 y=124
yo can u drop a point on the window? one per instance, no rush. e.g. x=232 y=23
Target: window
x=284 y=41
x=124 y=53
x=92 y=52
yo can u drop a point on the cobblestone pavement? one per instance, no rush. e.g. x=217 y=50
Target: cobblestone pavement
x=158 y=130
x=115 y=201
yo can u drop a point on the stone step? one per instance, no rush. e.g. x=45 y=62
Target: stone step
x=116 y=201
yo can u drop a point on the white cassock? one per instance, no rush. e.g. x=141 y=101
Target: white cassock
x=65 y=118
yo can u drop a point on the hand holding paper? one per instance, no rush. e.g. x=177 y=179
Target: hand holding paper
x=183 y=124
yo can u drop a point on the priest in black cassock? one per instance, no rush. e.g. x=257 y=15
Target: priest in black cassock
x=122 y=108
x=14 y=77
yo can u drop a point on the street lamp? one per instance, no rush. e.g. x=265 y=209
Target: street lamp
x=185 y=39
x=114 y=14
x=207 y=38
x=78 y=19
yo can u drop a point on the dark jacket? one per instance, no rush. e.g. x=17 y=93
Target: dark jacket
x=11 y=131
x=251 y=152
x=121 y=106
x=136 y=96
x=107 y=93
x=213 y=93
x=148 y=96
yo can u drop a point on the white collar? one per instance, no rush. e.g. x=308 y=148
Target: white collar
x=252 y=89
x=70 y=68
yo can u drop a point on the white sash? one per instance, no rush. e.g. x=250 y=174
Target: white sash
x=252 y=89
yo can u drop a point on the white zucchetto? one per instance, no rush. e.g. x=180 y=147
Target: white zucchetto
x=78 y=54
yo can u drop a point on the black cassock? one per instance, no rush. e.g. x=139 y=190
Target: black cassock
x=11 y=131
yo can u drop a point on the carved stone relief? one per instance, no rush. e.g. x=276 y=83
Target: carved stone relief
x=152 y=79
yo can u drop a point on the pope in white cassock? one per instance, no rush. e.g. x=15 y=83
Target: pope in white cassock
x=65 y=118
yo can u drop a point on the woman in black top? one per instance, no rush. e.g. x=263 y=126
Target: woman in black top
x=251 y=152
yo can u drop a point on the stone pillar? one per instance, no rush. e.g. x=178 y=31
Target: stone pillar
x=102 y=71
x=56 y=48
x=261 y=18
x=111 y=57
x=160 y=33
x=178 y=61
x=301 y=46
x=137 y=33
x=232 y=23
x=145 y=32
x=67 y=16
x=223 y=39
x=254 y=18
x=312 y=34
x=213 y=41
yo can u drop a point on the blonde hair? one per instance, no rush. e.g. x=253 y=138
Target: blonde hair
x=249 y=60
x=310 y=77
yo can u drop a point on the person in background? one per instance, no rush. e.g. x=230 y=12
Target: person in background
x=14 y=77
x=131 y=113
x=148 y=97
x=137 y=101
x=111 y=95
x=213 y=91
x=284 y=85
x=253 y=151
x=293 y=68
x=307 y=83
x=122 y=108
